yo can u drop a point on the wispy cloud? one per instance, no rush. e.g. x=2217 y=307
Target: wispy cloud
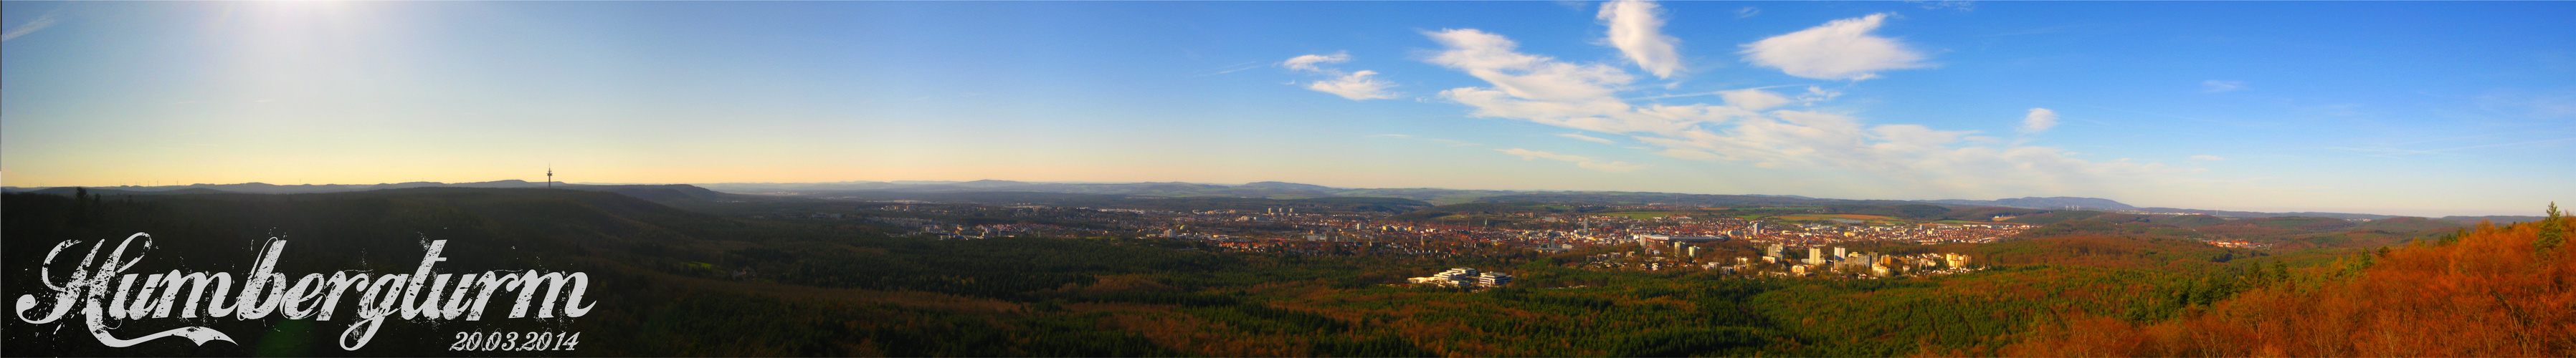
x=1544 y=90
x=1240 y=67
x=1497 y=60
x=1755 y=99
x=1752 y=127
x=2217 y=86
x=2553 y=105
x=2038 y=120
x=2390 y=152
x=1586 y=138
x=40 y=23
x=1961 y=5
x=1839 y=50
x=1579 y=161
x=1308 y=62
x=1356 y=86
x=2207 y=158
x=1636 y=28
x=1747 y=11
x=1752 y=99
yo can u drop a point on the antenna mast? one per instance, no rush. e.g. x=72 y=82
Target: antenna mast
x=550 y=176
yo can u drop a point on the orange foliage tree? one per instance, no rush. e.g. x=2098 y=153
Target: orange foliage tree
x=2496 y=291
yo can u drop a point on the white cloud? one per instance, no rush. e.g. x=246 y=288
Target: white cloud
x=1915 y=157
x=1308 y=62
x=1526 y=154
x=1636 y=28
x=1752 y=99
x=1818 y=94
x=40 y=23
x=1586 y=138
x=2039 y=119
x=1493 y=58
x=1579 y=161
x=1752 y=128
x=2216 y=86
x=1544 y=90
x=2211 y=158
x=1838 y=50
x=1747 y=11
x=1355 y=86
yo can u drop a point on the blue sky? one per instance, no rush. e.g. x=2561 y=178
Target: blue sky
x=2421 y=108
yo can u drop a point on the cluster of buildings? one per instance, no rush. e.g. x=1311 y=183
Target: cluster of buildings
x=829 y=216
x=937 y=229
x=1670 y=241
x=2236 y=244
x=1463 y=277
x=1657 y=253
x=1776 y=261
x=1551 y=231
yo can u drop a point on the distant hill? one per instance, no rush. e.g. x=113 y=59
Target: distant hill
x=662 y=278
x=2061 y=202
x=2252 y=214
x=658 y=192
x=1637 y=198
x=1291 y=186
x=2404 y=300
x=1476 y=208
x=1263 y=190
x=2075 y=203
x=1318 y=205
x=2283 y=232
x=266 y=188
x=654 y=192
x=2499 y=219
x=1267 y=189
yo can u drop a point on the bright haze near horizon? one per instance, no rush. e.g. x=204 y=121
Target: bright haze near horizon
x=2412 y=108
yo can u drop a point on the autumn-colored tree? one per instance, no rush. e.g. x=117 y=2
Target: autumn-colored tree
x=2493 y=292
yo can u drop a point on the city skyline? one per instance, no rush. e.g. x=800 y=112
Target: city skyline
x=2391 y=108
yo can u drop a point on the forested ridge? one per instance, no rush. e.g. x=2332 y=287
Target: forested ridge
x=676 y=282
x=2495 y=291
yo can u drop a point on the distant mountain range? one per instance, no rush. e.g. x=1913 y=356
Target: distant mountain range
x=1263 y=190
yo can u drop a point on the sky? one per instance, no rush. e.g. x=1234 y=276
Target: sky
x=2408 y=108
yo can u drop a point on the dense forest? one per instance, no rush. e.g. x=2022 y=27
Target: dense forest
x=2489 y=292
x=671 y=281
